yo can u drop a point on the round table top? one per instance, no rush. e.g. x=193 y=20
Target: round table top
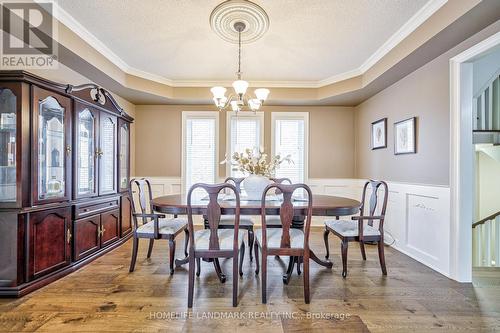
x=323 y=205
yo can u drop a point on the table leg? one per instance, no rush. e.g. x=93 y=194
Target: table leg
x=289 y=270
x=325 y=263
x=180 y=262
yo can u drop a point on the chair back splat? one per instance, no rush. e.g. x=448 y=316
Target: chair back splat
x=375 y=186
x=213 y=213
x=236 y=181
x=287 y=212
x=144 y=197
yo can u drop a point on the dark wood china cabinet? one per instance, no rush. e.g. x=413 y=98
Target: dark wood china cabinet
x=64 y=172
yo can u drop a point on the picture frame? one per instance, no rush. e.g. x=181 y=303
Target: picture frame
x=379 y=134
x=405 y=136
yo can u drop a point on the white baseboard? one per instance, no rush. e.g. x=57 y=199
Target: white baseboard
x=417 y=217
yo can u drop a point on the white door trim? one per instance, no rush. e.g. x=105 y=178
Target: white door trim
x=461 y=158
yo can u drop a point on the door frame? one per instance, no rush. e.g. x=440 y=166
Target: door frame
x=462 y=158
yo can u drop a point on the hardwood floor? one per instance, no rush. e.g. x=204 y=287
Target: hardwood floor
x=104 y=296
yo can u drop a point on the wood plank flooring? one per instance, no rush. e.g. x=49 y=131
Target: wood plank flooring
x=105 y=297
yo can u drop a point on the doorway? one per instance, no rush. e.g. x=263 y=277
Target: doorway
x=475 y=119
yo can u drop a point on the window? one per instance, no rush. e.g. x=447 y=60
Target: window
x=199 y=148
x=290 y=136
x=244 y=130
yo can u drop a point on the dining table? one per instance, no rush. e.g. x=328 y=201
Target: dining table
x=322 y=205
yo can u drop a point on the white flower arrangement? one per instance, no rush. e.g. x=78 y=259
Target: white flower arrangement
x=255 y=162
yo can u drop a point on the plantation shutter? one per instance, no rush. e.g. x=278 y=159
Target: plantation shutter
x=290 y=139
x=200 y=151
x=245 y=133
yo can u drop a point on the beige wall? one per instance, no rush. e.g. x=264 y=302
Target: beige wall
x=425 y=95
x=158 y=136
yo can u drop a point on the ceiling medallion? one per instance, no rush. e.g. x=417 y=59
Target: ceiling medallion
x=225 y=15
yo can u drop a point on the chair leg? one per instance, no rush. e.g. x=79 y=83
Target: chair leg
x=256 y=252
x=191 y=280
x=150 y=248
x=299 y=260
x=307 y=296
x=327 y=247
x=198 y=266
x=218 y=270
x=186 y=242
x=343 y=248
x=135 y=247
x=362 y=247
x=264 y=277
x=250 y=243
x=171 y=245
x=242 y=256
x=381 y=256
x=235 y=278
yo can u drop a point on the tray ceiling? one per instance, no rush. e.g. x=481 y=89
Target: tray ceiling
x=309 y=43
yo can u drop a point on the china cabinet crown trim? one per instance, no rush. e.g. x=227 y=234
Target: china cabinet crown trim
x=37 y=232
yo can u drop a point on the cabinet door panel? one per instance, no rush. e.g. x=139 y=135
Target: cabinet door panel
x=51 y=147
x=126 y=215
x=123 y=155
x=49 y=241
x=109 y=226
x=9 y=104
x=86 y=240
x=108 y=154
x=85 y=145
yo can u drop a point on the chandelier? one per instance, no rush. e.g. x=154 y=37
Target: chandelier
x=240 y=100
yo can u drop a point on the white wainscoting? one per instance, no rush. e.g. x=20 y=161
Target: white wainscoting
x=417 y=218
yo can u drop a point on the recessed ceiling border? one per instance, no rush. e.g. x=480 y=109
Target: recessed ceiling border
x=411 y=25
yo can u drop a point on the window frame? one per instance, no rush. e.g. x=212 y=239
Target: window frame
x=292 y=116
x=230 y=114
x=200 y=115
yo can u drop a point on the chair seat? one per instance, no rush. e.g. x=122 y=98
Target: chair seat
x=226 y=237
x=349 y=228
x=165 y=226
x=229 y=220
x=273 y=220
x=274 y=238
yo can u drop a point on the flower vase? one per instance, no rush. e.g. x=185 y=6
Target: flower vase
x=255 y=185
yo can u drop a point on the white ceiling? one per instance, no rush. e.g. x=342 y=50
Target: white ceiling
x=313 y=41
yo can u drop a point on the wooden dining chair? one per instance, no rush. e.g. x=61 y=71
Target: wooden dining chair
x=357 y=230
x=246 y=223
x=150 y=225
x=214 y=242
x=285 y=241
x=274 y=221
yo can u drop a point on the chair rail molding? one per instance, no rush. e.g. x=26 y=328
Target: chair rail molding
x=417 y=215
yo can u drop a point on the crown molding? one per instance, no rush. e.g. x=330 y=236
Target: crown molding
x=411 y=25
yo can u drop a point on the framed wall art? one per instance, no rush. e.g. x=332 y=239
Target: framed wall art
x=379 y=134
x=405 y=138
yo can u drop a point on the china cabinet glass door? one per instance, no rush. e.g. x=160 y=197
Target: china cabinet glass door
x=51 y=150
x=124 y=157
x=85 y=157
x=107 y=154
x=8 y=124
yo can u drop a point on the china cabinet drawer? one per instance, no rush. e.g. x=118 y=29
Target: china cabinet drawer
x=84 y=210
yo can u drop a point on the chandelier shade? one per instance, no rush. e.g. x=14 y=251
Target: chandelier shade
x=240 y=87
